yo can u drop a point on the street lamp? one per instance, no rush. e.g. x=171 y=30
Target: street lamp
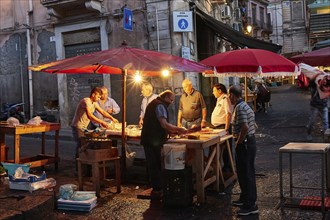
x=249 y=29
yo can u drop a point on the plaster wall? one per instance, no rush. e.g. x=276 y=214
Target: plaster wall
x=14 y=87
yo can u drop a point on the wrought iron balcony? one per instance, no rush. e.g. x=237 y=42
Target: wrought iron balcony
x=260 y=25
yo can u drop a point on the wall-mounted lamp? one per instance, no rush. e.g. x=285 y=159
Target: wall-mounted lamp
x=249 y=29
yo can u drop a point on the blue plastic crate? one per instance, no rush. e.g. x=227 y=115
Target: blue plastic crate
x=11 y=167
x=30 y=179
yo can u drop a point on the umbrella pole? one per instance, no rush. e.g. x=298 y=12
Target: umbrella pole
x=245 y=88
x=123 y=133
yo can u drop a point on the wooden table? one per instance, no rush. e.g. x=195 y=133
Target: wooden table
x=321 y=149
x=35 y=161
x=215 y=143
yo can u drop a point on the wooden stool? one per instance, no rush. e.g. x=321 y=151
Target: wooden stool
x=97 y=158
x=326 y=135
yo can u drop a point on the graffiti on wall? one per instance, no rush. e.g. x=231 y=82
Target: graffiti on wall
x=74 y=91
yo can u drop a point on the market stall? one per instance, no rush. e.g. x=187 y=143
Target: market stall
x=206 y=170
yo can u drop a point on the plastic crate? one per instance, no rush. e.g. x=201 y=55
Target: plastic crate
x=11 y=167
x=177 y=187
x=30 y=179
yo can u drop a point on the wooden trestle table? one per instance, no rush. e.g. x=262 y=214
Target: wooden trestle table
x=17 y=131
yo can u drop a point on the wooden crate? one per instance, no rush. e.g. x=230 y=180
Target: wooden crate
x=99 y=154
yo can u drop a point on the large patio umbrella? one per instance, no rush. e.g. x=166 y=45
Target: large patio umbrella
x=124 y=60
x=251 y=62
x=319 y=57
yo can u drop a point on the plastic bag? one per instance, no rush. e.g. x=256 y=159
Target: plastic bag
x=48 y=183
x=35 y=121
x=82 y=196
x=67 y=190
x=18 y=173
x=13 y=121
x=130 y=155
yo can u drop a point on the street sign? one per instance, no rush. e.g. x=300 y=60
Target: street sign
x=128 y=19
x=182 y=21
x=185 y=52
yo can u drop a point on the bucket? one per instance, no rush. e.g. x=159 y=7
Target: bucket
x=174 y=156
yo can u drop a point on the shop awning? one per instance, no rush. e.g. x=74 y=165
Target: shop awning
x=235 y=37
x=322 y=44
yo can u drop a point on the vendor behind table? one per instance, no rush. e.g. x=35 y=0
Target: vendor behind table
x=155 y=131
x=148 y=96
x=106 y=103
x=84 y=115
x=192 y=108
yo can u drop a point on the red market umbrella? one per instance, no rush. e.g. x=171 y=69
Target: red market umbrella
x=115 y=61
x=319 y=57
x=124 y=60
x=250 y=62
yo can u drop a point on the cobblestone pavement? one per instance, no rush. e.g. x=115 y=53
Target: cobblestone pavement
x=283 y=122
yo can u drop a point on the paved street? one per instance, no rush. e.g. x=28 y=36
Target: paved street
x=284 y=122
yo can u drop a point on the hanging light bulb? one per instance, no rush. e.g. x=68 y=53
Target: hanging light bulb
x=137 y=77
x=165 y=73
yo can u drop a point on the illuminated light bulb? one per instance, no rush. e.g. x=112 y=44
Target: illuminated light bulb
x=165 y=73
x=249 y=28
x=137 y=77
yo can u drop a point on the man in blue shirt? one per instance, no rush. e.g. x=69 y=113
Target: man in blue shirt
x=108 y=104
x=155 y=131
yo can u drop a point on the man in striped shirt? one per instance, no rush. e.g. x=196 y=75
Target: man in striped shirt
x=243 y=125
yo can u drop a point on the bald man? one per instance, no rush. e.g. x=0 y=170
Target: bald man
x=192 y=108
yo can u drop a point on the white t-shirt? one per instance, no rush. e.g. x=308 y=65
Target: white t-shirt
x=220 y=111
x=80 y=119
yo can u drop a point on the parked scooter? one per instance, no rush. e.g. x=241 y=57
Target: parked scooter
x=12 y=110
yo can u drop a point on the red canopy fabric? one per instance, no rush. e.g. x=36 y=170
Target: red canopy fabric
x=250 y=62
x=319 y=57
x=114 y=61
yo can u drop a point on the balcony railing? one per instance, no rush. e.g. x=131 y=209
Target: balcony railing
x=257 y=24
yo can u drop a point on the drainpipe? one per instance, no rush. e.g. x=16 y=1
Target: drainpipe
x=306 y=25
x=21 y=70
x=28 y=39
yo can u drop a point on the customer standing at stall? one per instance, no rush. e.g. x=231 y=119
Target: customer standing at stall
x=221 y=114
x=107 y=104
x=221 y=117
x=148 y=96
x=155 y=131
x=243 y=122
x=192 y=108
x=84 y=115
